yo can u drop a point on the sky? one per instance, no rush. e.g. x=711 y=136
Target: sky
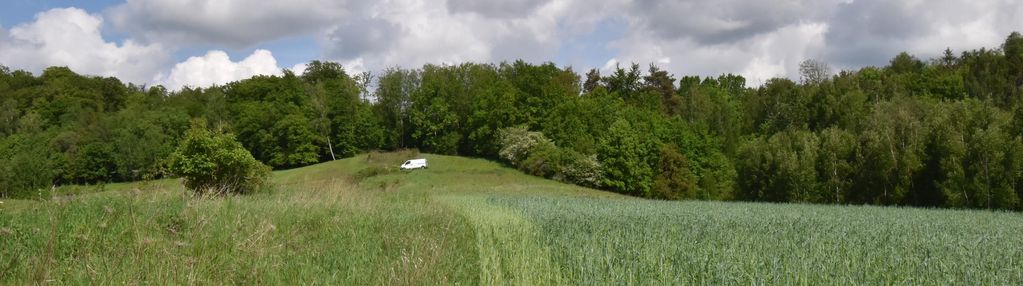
x=199 y=43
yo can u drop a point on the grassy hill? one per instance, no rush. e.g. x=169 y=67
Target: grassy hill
x=471 y=221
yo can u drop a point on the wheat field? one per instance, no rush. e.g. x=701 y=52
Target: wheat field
x=360 y=221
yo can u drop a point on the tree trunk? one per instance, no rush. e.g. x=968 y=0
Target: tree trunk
x=330 y=146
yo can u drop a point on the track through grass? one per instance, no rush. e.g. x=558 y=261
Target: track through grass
x=471 y=221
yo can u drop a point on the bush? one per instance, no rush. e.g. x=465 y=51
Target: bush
x=534 y=154
x=215 y=162
x=371 y=171
x=517 y=143
x=392 y=158
x=582 y=170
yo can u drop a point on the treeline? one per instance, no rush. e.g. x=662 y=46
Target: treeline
x=941 y=132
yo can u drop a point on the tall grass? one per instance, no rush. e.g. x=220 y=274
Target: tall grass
x=509 y=246
x=469 y=221
x=329 y=232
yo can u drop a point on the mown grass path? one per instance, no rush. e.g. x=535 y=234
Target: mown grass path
x=470 y=221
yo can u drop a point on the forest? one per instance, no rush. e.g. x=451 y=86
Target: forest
x=941 y=132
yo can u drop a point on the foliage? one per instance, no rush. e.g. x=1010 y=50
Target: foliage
x=26 y=166
x=780 y=168
x=674 y=179
x=532 y=152
x=941 y=132
x=518 y=143
x=214 y=162
x=627 y=156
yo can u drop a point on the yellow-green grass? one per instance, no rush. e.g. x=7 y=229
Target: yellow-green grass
x=472 y=221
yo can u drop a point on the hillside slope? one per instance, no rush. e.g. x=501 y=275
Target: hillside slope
x=472 y=221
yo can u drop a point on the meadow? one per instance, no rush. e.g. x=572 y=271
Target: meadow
x=472 y=221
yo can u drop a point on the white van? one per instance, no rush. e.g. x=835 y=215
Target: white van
x=414 y=164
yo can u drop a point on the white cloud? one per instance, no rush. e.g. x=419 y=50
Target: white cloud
x=756 y=39
x=411 y=33
x=355 y=66
x=758 y=58
x=871 y=32
x=609 y=66
x=216 y=68
x=299 y=68
x=712 y=22
x=495 y=9
x=231 y=23
x=759 y=41
x=424 y=33
x=779 y=53
x=71 y=37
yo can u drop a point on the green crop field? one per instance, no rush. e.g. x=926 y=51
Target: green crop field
x=470 y=221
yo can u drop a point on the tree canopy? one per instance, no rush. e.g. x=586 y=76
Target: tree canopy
x=938 y=132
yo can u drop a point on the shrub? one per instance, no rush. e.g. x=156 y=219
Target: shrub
x=517 y=143
x=533 y=153
x=371 y=171
x=580 y=169
x=211 y=161
x=543 y=160
x=390 y=159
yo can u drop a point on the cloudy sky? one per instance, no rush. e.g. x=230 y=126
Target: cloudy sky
x=203 y=42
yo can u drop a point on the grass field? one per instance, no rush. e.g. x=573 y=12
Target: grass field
x=471 y=221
